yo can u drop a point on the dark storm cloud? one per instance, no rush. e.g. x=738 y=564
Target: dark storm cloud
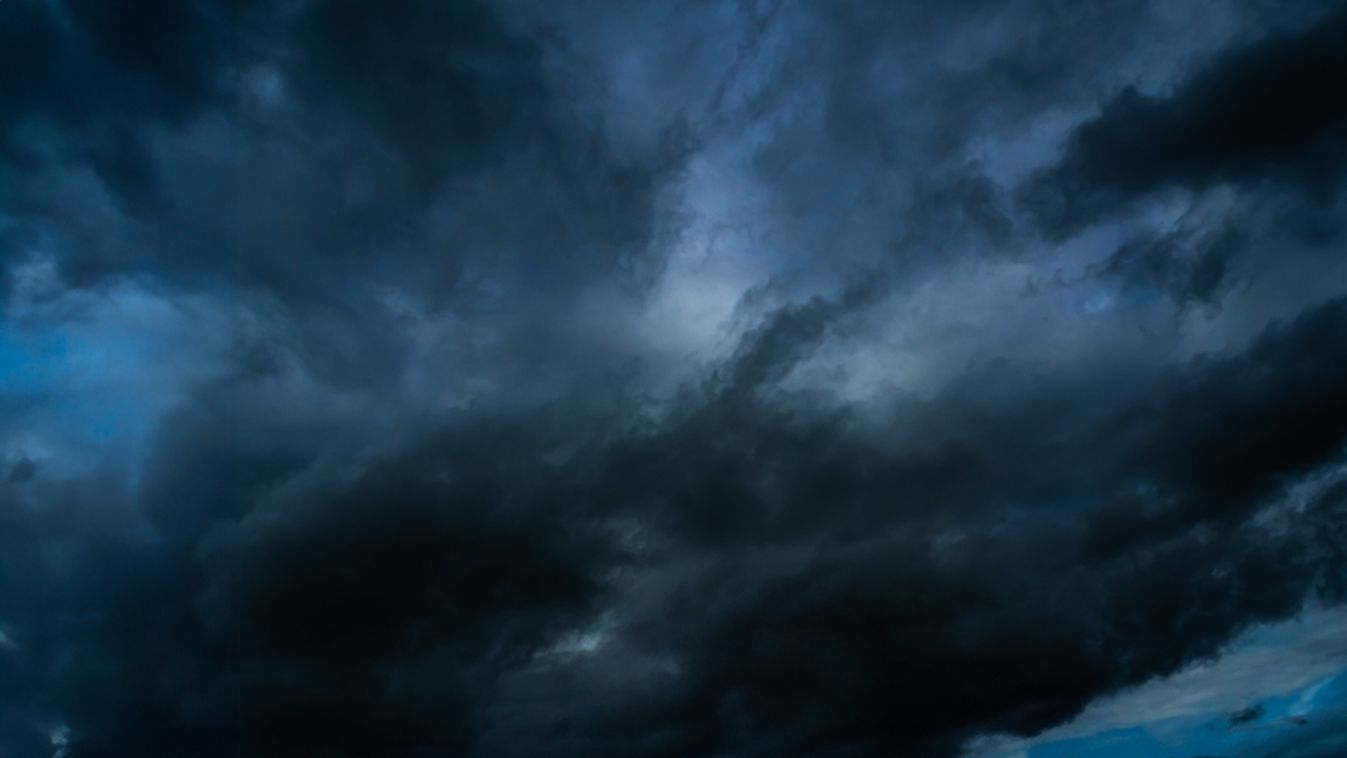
x=359 y=121
x=950 y=652
x=1275 y=111
x=892 y=638
x=357 y=617
x=82 y=83
x=753 y=466
x=271 y=603
x=877 y=115
x=96 y=67
x=652 y=379
x=1286 y=391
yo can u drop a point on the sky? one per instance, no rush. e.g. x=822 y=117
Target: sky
x=600 y=378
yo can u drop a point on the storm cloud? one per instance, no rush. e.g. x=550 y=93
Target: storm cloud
x=662 y=379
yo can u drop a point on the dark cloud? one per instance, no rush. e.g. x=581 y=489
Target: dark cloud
x=1189 y=458
x=1269 y=112
x=1188 y=271
x=949 y=653
x=84 y=64
x=611 y=379
x=357 y=619
x=271 y=603
x=359 y=122
x=335 y=602
x=1246 y=715
x=888 y=634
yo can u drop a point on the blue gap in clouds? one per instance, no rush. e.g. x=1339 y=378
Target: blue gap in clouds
x=1310 y=723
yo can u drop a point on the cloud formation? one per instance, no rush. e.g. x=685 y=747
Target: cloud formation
x=611 y=379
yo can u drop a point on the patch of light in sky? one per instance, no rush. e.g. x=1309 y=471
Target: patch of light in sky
x=1284 y=667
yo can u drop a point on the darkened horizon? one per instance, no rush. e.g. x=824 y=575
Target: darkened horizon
x=674 y=378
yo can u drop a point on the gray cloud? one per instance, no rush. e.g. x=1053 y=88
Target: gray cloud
x=1270 y=111
x=509 y=379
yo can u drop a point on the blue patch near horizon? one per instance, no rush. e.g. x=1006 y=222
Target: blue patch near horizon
x=1313 y=715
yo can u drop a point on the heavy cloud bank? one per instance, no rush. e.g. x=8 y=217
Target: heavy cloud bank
x=660 y=379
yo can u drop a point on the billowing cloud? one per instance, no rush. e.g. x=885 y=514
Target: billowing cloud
x=1271 y=111
x=817 y=379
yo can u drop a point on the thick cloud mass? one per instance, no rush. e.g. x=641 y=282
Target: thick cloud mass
x=1274 y=110
x=659 y=379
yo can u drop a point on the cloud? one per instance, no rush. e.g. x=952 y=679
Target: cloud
x=1280 y=668
x=1267 y=112
x=878 y=624
x=381 y=132
x=1246 y=715
x=596 y=379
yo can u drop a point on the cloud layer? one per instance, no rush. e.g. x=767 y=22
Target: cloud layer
x=611 y=379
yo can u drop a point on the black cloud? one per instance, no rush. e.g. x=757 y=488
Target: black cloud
x=359 y=121
x=270 y=632
x=515 y=379
x=879 y=636
x=1272 y=111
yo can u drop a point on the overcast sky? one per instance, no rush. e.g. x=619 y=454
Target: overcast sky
x=601 y=379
